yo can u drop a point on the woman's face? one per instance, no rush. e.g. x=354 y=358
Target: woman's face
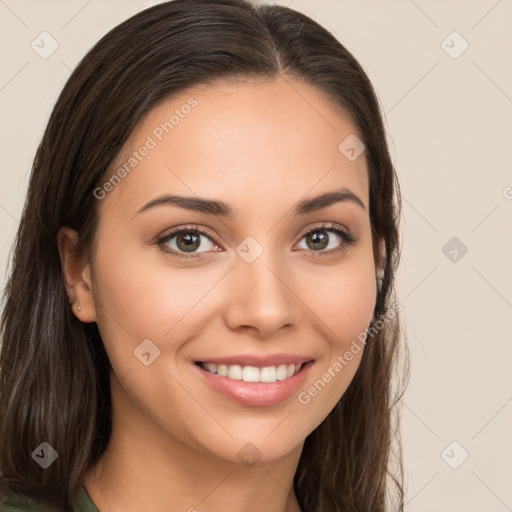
x=252 y=289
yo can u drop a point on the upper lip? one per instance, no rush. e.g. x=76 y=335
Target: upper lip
x=258 y=361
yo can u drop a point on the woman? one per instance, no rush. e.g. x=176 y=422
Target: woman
x=200 y=310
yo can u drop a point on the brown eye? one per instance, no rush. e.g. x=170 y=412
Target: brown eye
x=317 y=240
x=327 y=240
x=187 y=241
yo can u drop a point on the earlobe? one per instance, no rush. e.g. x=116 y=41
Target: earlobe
x=76 y=275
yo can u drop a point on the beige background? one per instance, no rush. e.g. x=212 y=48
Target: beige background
x=450 y=126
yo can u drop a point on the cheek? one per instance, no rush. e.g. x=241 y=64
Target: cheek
x=130 y=298
x=343 y=302
x=343 y=298
x=349 y=308
x=145 y=307
x=138 y=294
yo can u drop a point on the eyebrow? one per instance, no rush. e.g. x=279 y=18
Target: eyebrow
x=219 y=208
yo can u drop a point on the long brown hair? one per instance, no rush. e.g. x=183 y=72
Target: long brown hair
x=54 y=371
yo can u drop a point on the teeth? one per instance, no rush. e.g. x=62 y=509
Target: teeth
x=268 y=374
x=234 y=372
x=252 y=373
x=222 y=370
x=282 y=372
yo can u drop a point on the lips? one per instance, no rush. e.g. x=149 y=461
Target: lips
x=255 y=380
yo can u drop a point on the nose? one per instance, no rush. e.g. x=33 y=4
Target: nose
x=261 y=297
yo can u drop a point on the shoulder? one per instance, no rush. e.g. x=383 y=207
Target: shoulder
x=18 y=503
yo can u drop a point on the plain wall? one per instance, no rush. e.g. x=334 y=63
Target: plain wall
x=449 y=118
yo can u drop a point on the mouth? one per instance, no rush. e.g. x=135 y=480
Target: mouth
x=258 y=383
x=266 y=374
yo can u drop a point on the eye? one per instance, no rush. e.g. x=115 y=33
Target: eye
x=320 y=243
x=185 y=242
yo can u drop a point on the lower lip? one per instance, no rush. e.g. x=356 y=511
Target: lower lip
x=257 y=394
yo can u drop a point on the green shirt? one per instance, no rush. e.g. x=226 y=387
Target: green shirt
x=83 y=503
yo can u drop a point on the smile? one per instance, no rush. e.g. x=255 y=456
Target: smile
x=255 y=381
x=253 y=373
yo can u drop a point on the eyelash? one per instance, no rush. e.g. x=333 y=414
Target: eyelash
x=347 y=238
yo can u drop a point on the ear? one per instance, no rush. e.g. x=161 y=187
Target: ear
x=76 y=275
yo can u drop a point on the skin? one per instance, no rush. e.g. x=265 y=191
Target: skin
x=260 y=148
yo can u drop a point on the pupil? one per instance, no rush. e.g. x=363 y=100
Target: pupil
x=189 y=239
x=321 y=239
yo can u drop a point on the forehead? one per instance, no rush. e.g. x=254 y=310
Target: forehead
x=261 y=140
